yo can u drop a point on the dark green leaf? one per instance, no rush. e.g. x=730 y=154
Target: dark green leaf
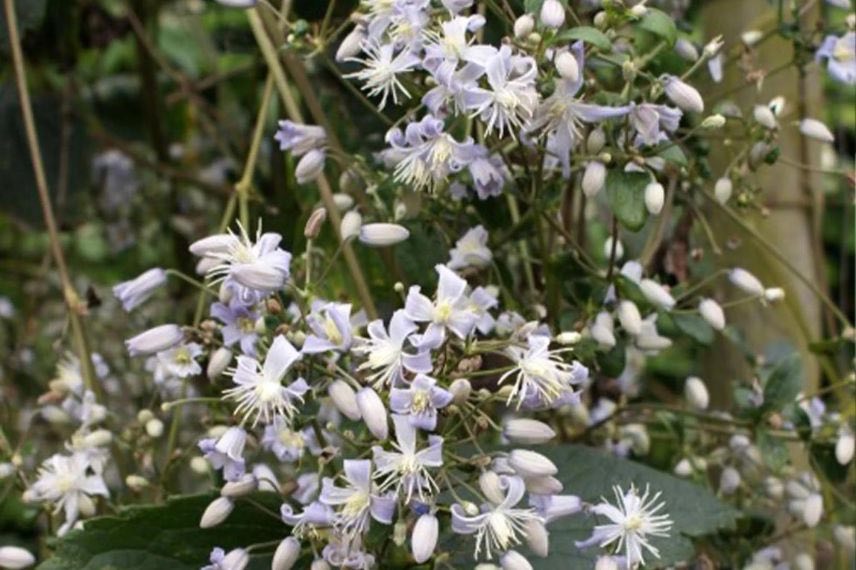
x=673 y=153
x=773 y=449
x=625 y=192
x=612 y=363
x=694 y=327
x=784 y=383
x=587 y=34
x=165 y=536
x=661 y=24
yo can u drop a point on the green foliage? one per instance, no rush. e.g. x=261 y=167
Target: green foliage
x=661 y=24
x=166 y=536
x=587 y=34
x=625 y=192
x=784 y=384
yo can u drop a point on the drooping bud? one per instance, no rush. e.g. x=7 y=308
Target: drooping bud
x=568 y=338
x=373 y=412
x=567 y=66
x=14 y=557
x=774 y=294
x=712 y=313
x=243 y=486
x=544 y=485
x=138 y=290
x=729 y=480
x=606 y=563
x=746 y=282
x=813 y=128
x=236 y=559
x=491 y=487
x=218 y=363
x=845 y=447
x=712 y=122
x=216 y=512
x=311 y=166
x=537 y=537
x=344 y=398
x=696 y=393
x=154 y=340
x=154 y=428
x=751 y=37
x=533 y=432
x=595 y=141
x=686 y=49
x=424 y=538
x=382 y=235
x=684 y=468
x=531 y=464
x=722 y=189
x=594 y=178
x=607 y=248
x=656 y=294
x=351 y=224
x=765 y=117
x=351 y=46
x=629 y=317
x=460 y=390
x=523 y=26
x=314 y=223
x=513 y=560
x=655 y=197
x=552 y=14
x=602 y=330
x=286 y=554
x=685 y=96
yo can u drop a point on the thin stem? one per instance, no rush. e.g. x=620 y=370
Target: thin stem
x=73 y=302
x=245 y=183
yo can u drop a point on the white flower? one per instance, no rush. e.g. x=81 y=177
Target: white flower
x=471 y=250
x=406 y=469
x=539 y=375
x=533 y=432
x=180 y=361
x=136 y=291
x=632 y=523
x=383 y=235
x=696 y=393
x=449 y=310
x=523 y=26
x=286 y=554
x=154 y=340
x=530 y=464
x=817 y=130
x=69 y=482
x=722 y=189
x=387 y=357
x=552 y=14
x=712 y=313
x=424 y=538
x=499 y=525
x=13 y=557
x=381 y=69
x=259 y=390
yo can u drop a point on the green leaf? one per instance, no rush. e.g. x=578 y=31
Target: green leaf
x=694 y=327
x=612 y=363
x=784 y=383
x=590 y=474
x=673 y=153
x=166 y=536
x=661 y=24
x=587 y=34
x=625 y=192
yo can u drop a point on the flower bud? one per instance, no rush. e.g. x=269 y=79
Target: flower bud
x=629 y=317
x=154 y=428
x=774 y=488
x=814 y=129
x=684 y=468
x=606 y=563
x=424 y=538
x=594 y=178
x=746 y=282
x=216 y=512
x=595 y=141
x=523 y=26
x=712 y=313
x=320 y=564
x=531 y=464
x=135 y=483
x=373 y=412
x=532 y=432
x=655 y=197
x=656 y=294
x=765 y=117
x=286 y=554
x=236 y=559
x=243 y=486
x=154 y=340
x=722 y=190
x=696 y=393
x=258 y=276
x=351 y=224
x=543 y=485
x=686 y=50
x=774 y=294
x=607 y=248
x=460 y=390
x=813 y=510
x=537 y=537
x=602 y=330
x=729 y=480
x=803 y=561
x=491 y=487
x=638 y=10
x=751 y=37
x=211 y=246
x=218 y=362
x=344 y=398
x=713 y=46
x=137 y=291
x=552 y=14
x=844 y=447
x=568 y=338
x=199 y=465
x=513 y=560
x=314 y=223
x=98 y=438
x=351 y=46
x=14 y=557
x=382 y=235
x=311 y=166
x=567 y=66
x=685 y=96
x=712 y=122
x=845 y=536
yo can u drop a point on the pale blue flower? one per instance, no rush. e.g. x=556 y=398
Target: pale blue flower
x=331 y=328
x=420 y=401
x=358 y=501
x=391 y=353
x=405 y=470
x=840 y=55
x=239 y=326
x=448 y=311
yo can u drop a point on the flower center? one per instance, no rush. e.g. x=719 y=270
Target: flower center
x=443 y=311
x=356 y=504
x=267 y=391
x=633 y=523
x=246 y=325
x=501 y=529
x=291 y=438
x=421 y=401
x=332 y=331
x=182 y=356
x=843 y=51
x=409 y=464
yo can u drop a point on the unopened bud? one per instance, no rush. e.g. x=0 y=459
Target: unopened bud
x=313 y=225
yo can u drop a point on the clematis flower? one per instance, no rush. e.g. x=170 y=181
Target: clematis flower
x=381 y=68
x=488 y=172
x=315 y=516
x=227 y=452
x=480 y=301
x=68 y=482
x=420 y=401
x=387 y=358
x=840 y=56
x=501 y=524
x=359 y=501
x=239 y=326
x=259 y=390
x=471 y=250
x=539 y=374
x=450 y=43
x=331 y=328
x=287 y=444
x=406 y=469
x=180 y=361
x=447 y=311
x=298 y=138
x=632 y=522
x=135 y=292
x=652 y=122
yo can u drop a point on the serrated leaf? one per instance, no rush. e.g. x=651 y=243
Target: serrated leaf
x=661 y=24
x=157 y=537
x=625 y=192
x=590 y=474
x=694 y=327
x=587 y=34
x=784 y=383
